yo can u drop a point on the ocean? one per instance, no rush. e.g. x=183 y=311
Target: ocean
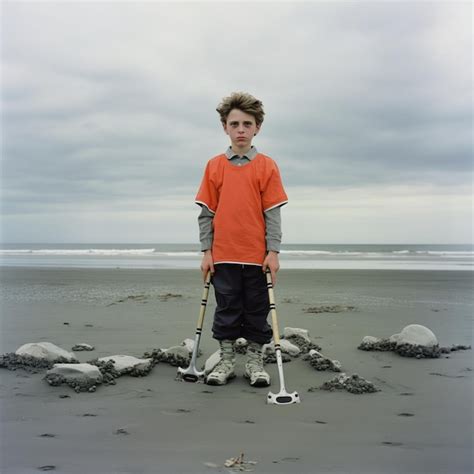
x=292 y=256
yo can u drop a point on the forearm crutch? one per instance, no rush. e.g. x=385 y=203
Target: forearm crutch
x=192 y=374
x=282 y=397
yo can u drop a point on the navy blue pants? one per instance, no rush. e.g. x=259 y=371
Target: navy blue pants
x=242 y=303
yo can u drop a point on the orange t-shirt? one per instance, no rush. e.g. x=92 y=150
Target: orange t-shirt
x=238 y=196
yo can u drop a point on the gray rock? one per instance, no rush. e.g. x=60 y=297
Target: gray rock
x=353 y=384
x=241 y=345
x=125 y=364
x=289 y=332
x=321 y=362
x=370 y=343
x=414 y=340
x=177 y=356
x=286 y=347
x=83 y=347
x=81 y=377
x=189 y=344
x=370 y=340
x=45 y=351
x=304 y=345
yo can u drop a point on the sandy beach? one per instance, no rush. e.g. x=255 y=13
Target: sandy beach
x=419 y=422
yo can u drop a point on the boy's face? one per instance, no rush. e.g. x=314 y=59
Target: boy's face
x=241 y=128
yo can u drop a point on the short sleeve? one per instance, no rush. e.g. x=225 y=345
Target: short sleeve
x=207 y=194
x=273 y=193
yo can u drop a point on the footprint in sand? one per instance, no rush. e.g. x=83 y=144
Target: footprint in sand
x=449 y=376
x=178 y=411
x=392 y=443
x=122 y=431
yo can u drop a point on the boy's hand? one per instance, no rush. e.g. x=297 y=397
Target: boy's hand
x=272 y=263
x=207 y=264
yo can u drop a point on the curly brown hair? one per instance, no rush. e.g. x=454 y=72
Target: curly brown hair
x=243 y=101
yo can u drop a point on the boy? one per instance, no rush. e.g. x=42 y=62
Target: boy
x=240 y=232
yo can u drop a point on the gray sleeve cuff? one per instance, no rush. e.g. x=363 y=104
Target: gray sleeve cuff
x=206 y=232
x=206 y=244
x=273 y=229
x=273 y=245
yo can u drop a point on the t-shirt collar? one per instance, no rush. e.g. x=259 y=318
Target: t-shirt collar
x=251 y=154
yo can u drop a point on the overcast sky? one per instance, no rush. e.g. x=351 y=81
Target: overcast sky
x=108 y=116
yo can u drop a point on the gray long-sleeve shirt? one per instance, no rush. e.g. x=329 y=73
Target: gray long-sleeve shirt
x=272 y=217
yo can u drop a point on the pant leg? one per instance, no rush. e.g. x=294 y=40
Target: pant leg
x=227 y=282
x=256 y=305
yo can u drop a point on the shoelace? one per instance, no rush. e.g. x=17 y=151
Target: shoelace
x=223 y=366
x=255 y=361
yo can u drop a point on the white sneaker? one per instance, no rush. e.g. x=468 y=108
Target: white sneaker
x=254 y=371
x=224 y=370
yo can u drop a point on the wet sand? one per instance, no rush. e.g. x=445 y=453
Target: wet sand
x=420 y=421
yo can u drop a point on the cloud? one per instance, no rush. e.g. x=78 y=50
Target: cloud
x=109 y=105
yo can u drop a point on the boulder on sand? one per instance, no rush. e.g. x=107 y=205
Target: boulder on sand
x=125 y=363
x=289 y=332
x=321 y=362
x=417 y=335
x=45 y=351
x=414 y=340
x=286 y=346
x=81 y=377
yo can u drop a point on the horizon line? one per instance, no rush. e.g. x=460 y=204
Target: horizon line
x=197 y=243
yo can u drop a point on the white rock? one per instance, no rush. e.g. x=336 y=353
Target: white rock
x=394 y=338
x=370 y=340
x=288 y=332
x=342 y=378
x=417 y=335
x=189 y=344
x=286 y=346
x=318 y=355
x=212 y=361
x=268 y=348
x=77 y=372
x=45 y=351
x=241 y=342
x=123 y=363
x=178 y=351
